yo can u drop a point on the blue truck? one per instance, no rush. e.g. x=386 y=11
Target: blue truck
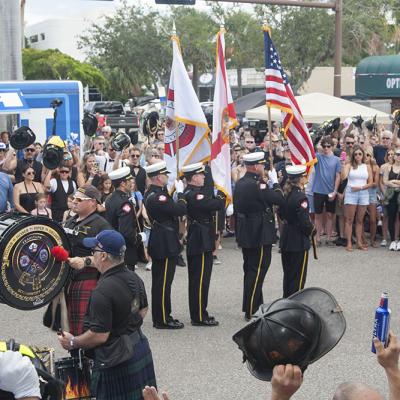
x=30 y=101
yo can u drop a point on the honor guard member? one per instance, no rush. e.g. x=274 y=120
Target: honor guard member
x=297 y=228
x=253 y=203
x=121 y=213
x=164 y=246
x=201 y=207
x=87 y=222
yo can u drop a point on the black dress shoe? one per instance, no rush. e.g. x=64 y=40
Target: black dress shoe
x=207 y=322
x=171 y=324
x=181 y=261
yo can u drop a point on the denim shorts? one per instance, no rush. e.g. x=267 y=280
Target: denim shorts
x=373 y=195
x=360 y=198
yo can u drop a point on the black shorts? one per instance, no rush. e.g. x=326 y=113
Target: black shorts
x=321 y=200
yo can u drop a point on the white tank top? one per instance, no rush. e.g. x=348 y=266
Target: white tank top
x=358 y=177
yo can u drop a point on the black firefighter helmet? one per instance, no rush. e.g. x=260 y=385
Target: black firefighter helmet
x=22 y=137
x=298 y=330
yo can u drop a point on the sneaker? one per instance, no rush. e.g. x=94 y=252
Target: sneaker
x=398 y=246
x=379 y=223
x=219 y=247
x=148 y=266
x=216 y=261
x=393 y=246
x=135 y=267
x=384 y=243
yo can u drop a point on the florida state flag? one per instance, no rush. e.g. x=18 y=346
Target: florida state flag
x=224 y=118
x=184 y=111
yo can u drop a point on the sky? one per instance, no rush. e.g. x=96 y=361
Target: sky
x=40 y=10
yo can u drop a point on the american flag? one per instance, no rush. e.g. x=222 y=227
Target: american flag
x=279 y=95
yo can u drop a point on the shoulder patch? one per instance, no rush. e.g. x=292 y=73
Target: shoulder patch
x=199 y=196
x=263 y=186
x=304 y=204
x=126 y=208
x=162 y=198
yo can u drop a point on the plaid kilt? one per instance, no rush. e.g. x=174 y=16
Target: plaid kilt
x=77 y=302
x=127 y=380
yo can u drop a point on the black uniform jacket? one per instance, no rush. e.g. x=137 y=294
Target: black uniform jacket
x=297 y=226
x=252 y=202
x=163 y=213
x=201 y=227
x=120 y=213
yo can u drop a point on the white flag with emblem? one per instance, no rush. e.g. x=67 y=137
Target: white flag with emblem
x=184 y=110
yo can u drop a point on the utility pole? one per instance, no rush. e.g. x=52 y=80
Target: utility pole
x=336 y=6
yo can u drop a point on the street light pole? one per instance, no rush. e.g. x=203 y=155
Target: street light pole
x=335 y=5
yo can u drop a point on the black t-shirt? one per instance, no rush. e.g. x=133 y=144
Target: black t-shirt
x=380 y=153
x=115 y=303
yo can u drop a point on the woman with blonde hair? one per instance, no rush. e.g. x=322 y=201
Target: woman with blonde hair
x=356 y=196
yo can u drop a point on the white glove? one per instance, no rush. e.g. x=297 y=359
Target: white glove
x=272 y=175
x=179 y=186
x=143 y=236
x=18 y=375
x=132 y=199
x=229 y=210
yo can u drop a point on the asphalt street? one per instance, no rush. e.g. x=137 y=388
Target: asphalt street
x=204 y=363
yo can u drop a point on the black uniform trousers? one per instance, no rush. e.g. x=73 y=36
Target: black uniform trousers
x=256 y=262
x=199 y=270
x=294 y=271
x=162 y=272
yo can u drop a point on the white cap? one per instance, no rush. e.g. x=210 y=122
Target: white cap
x=157 y=169
x=191 y=169
x=257 y=157
x=295 y=171
x=3 y=146
x=120 y=173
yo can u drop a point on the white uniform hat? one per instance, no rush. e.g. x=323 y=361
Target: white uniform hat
x=192 y=169
x=120 y=174
x=295 y=171
x=257 y=157
x=157 y=169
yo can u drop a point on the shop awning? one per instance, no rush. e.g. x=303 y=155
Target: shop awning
x=378 y=76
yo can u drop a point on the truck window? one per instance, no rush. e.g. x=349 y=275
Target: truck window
x=109 y=108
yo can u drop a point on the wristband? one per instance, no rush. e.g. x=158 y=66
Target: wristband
x=72 y=342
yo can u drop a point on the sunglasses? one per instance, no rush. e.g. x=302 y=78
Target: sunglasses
x=64 y=172
x=135 y=155
x=326 y=146
x=385 y=138
x=358 y=154
x=397 y=154
x=390 y=154
x=30 y=150
x=29 y=173
x=80 y=199
x=156 y=156
x=368 y=155
x=362 y=142
x=349 y=143
x=102 y=143
x=249 y=142
x=98 y=250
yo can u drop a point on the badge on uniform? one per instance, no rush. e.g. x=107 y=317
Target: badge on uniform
x=304 y=204
x=199 y=196
x=162 y=198
x=126 y=208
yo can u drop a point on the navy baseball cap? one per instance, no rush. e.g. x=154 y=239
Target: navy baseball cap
x=109 y=241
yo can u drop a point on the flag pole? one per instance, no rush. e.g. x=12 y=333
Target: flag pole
x=265 y=26
x=175 y=121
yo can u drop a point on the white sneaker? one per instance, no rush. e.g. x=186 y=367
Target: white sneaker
x=384 y=243
x=393 y=246
x=379 y=223
x=148 y=266
x=398 y=246
x=219 y=247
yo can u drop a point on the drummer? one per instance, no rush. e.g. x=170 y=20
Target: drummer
x=86 y=222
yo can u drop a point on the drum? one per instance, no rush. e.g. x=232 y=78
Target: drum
x=30 y=277
x=75 y=373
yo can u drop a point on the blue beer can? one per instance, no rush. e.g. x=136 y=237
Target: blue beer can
x=382 y=321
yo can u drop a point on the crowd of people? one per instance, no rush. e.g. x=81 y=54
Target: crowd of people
x=119 y=200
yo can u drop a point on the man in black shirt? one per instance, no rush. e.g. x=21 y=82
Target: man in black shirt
x=86 y=222
x=123 y=360
x=137 y=171
x=29 y=154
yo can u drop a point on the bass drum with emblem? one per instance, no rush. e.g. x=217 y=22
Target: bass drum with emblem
x=30 y=277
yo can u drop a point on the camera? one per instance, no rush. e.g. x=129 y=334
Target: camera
x=56 y=103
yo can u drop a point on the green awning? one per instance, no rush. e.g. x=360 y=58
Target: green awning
x=378 y=76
